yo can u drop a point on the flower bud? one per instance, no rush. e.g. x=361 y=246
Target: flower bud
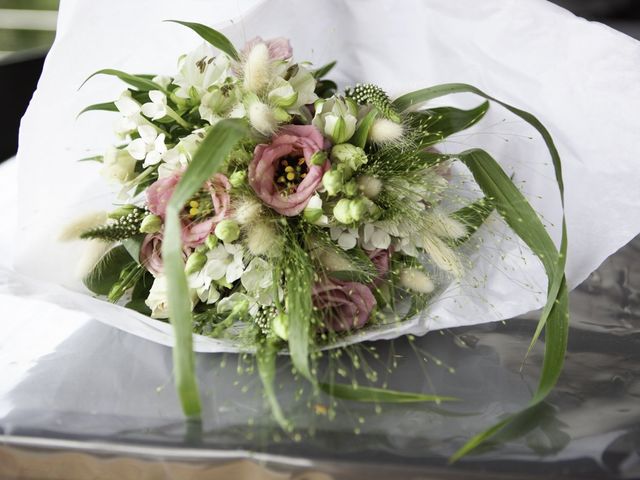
x=312 y=215
x=151 y=224
x=350 y=188
x=227 y=230
x=342 y=211
x=238 y=178
x=350 y=155
x=195 y=262
x=280 y=326
x=358 y=209
x=281 y=115
x=319 y=158
x=336 y=118
x=122 y=211
x=211 y=242
x=333 y=181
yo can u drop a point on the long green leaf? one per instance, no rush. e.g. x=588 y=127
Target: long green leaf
x=266 y=360
x=105 y=107
x=379 y=395
x=361 y=134
x=443 y=122
x=219 y=141
x=299 y=283
x=322 y=71
x=473 y=216
x=555 y=314
x=212 y=36
x=107 y=271
x=136 y=81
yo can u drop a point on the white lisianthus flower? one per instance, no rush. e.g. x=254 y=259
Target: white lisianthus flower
x=157 y=107
x=374 y=237
x=336 y=118
x=118 y=165
x=257 y=279
x=149 y=147
x=224 y=263
x=347 y=238
x=199 y=70
x=130 y=110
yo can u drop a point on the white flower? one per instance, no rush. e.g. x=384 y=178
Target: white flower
x=204 y=287
x=374 y=237
x=336 y=118
x=149 y=147
x=282 y=94
x=218 y=103
x=157 y=107
x=227 y=304
x=180 y=155
x=224 y=262
x=304 y=84
x=199 y=70
x=313 y=212
x=257 y=279
x=118 y=165
x=347 y=238
x=157 y=299
x=130 y=110
x=162 y=80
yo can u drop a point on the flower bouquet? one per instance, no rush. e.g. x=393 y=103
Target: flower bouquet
x=261 y=206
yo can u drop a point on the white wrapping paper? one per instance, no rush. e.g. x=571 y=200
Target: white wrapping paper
x=581 y=79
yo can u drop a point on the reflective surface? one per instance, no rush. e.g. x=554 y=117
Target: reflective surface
x=68 y=378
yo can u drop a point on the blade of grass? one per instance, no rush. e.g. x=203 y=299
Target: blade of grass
x=217 y=144
x=212 y=36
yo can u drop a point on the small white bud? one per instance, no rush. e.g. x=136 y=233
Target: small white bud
x=333 y=181
x=358 y=208
x=385 y=131
x=151 y=224
x=195 y=262
x=416 y=280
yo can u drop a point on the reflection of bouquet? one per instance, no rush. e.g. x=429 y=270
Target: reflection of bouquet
x=260 y=206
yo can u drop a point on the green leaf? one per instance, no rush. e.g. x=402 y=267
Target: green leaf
x=136 y=81
x=299 y=283
x=473 y=216
x=133 y=245
x=266 y=360
x=379 y=395
x=212 y=36
x=361 y=134
x=106 y=272
x=105 y=107
x=351 y=276
x=555 y=314
x=95 y=158
x=322 y=71
x=440 y=123
x=215 y=147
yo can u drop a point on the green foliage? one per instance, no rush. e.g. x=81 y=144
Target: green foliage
x=378 y=395
x=370 y=94
x=213 y=150
x=212 y=36
x=104 y=107
x=124 y=227
x=473 y=216
x=137 y=81
x=106 y=272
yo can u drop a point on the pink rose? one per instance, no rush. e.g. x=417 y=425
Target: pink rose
x=279 y=48
x=345 y=305
x=381 y=260
x=282 y=174
x=151 y=253
x=193 y=233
